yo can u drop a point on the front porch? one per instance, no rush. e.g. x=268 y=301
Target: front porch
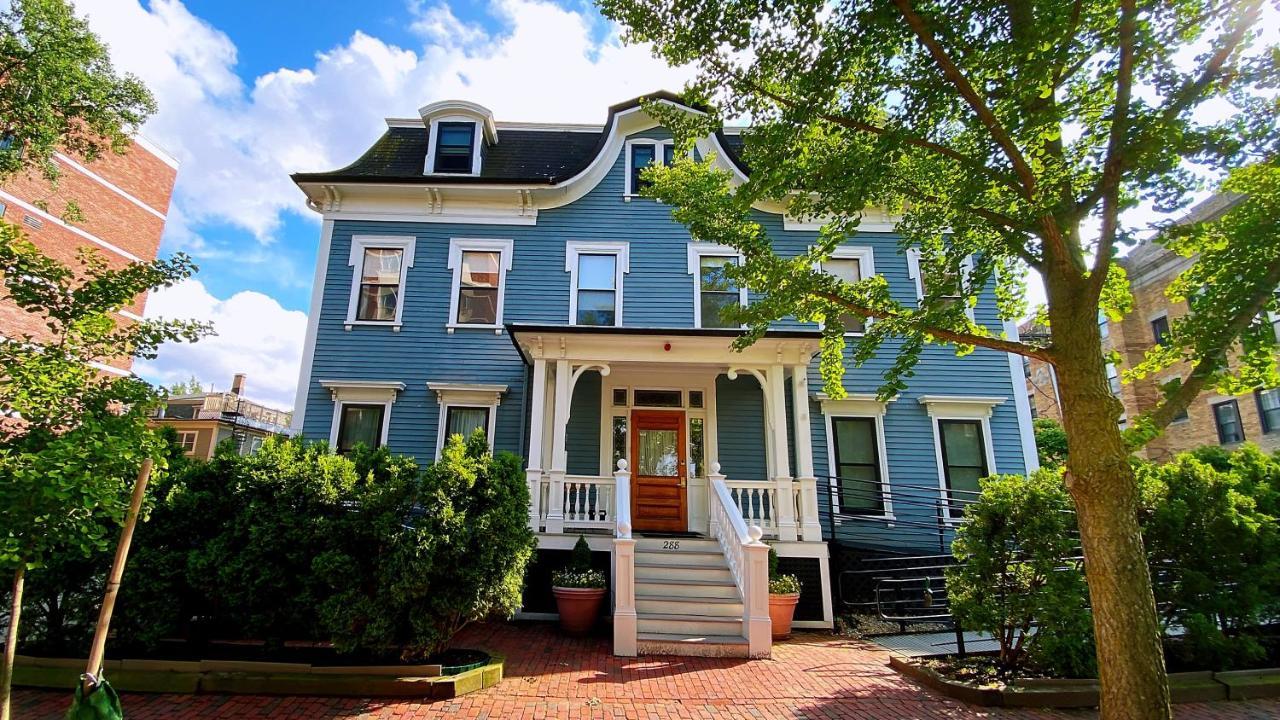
x=671 y=431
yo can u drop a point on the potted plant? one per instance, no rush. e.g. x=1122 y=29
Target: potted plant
x=579 y=590
x=784 y=593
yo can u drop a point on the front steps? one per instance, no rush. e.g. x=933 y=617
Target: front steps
x=686 y=600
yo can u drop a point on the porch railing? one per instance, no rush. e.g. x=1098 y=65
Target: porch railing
x=587 y=502
x=759 y=503
x=748 y=561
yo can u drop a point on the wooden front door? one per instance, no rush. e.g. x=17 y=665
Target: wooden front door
x=659 y=500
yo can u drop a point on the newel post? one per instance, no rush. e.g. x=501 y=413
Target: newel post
x=624 y=569
x=756 y=595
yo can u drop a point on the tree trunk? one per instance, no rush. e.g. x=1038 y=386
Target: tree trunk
x=11 y=641
x=1102 y=483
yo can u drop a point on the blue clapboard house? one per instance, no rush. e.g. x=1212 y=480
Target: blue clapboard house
x=503 y=275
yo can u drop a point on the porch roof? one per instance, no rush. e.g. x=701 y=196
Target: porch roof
x=661 y=344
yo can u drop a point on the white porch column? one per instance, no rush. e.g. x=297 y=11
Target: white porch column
x=533 y=473
x=559 y=455
x=810 y=528
x=780 y=467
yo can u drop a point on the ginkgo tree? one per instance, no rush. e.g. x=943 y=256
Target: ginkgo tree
x=1009 y=137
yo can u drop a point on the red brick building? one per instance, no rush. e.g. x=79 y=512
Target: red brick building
x=124 y=200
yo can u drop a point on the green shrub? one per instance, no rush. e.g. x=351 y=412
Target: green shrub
x=1017 y=578
x=1051 y=442
x=780 y=584
x=579 y=574
x=1209 y=528
x=418 y=578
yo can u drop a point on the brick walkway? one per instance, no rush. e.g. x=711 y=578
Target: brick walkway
x=548 y=676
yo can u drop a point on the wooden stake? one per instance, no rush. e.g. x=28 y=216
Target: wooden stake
x=99 y=647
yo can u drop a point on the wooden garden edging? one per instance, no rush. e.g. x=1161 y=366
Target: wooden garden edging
x=263 y=678
x=1046 y=693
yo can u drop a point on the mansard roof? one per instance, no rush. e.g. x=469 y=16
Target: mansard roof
x=523 y=155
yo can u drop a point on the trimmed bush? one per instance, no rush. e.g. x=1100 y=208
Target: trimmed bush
x=1018 y=578
x=1210 y=528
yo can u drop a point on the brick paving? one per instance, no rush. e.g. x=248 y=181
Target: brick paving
x=549 y=676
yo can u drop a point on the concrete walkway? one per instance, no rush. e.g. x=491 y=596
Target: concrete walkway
x=550 y=676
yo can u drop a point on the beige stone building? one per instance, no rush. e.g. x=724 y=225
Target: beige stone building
x=203 y=420
x=1211 y=419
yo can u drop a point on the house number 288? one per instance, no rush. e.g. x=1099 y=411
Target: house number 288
x=670 y=544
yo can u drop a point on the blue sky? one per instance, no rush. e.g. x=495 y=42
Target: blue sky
x=249 y=92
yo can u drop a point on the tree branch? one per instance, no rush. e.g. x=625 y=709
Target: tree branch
x=872 y=129
x=1228 y=43
x=1113 y=166
x=975 y=102
x=994 y=218
x=952 y=336
x=1207 y=366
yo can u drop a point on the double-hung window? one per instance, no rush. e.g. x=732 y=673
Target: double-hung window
x=465 y=408
x=964 y=461
x=462 y=420
x=596 y=271
x=1113 y=378
x=857 y=465
x=1160 y=330
x=640 y=155
x=850 y=264
x=455 y=145
x=187 y=440
x=1268 y=409
x=380 y=265
x=1226 y=416
x=380 y=284
x=716 y=290
x=360 y=424
x=479 y=280
x=947 y=286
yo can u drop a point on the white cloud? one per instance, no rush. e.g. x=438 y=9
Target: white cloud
x=238 y=144
x=255 y=336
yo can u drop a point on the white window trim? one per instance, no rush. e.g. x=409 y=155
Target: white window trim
x=457 y=246
x=913 y=271
x=960 y=407
x=472 y=395
x=857 y=405
x=696 y=251
x=360 y=243
x=195 y=437
x=866 y=257
x=658 y=154
x=361 y=392
x=477 y=139
x=620 y=250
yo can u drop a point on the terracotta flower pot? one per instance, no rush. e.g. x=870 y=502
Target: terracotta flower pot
x=782 y=608
x=579 y=608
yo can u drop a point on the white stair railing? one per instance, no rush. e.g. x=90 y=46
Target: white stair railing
x=624 y=568
x=748 y=561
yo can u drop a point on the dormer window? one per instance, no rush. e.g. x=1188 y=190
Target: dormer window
x=640 y=155
x=455 y=145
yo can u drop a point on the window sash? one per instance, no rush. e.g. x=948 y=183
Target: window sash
x=464 y=420
x=1268 y=409
x=848 y=270
x=715 y=291
x=381 y=270
x=358 y=424
x=455 y=143
x=1226 y=416
x=864 y=495
x=642 y=156
x=954 y=470
x=1160 y=330
x=597 y=297
x=478 y=287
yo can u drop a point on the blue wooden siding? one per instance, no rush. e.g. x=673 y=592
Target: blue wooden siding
x=658 y=292
x=740 y=428
x=582 y=436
